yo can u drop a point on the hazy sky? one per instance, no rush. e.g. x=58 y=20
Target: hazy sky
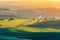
x=30 y=3
x=29 y=0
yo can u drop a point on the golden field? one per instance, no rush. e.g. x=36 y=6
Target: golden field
x=12 y=24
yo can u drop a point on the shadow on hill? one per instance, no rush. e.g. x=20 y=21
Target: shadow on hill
x=47 y=24
x=7 y=33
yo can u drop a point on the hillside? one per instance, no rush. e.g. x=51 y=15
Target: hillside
x=47 y=24
x=29 y=13
x=34 y=31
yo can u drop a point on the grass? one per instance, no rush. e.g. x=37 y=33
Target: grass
x=40 y=27
x=31 y=29
x=5 y=23
x=36 y=31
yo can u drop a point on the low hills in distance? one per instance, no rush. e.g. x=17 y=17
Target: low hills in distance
x=47 y=24
x=29 y=13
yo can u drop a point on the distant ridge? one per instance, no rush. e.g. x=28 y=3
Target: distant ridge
x=47 y=24
x=5 y=9
x=7 y=13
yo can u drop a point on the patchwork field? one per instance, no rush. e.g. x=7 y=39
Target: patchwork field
x=17 y=24
x=5 y=23
x=21 y=29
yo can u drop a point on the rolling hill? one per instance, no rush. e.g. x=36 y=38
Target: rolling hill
x=47 y=24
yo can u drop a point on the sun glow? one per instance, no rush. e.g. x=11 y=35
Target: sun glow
x=29 y=0
x=55 y=0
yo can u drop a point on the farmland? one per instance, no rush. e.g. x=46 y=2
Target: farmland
x=15 y=30
x=16 y=24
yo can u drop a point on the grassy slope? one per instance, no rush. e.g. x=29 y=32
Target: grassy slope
x=30 y=35
x=47 y=24
x=30 y=31
x=13 y=23
x=37 y=27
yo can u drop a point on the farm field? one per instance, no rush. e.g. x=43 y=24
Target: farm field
x=31 y=29
x=17 y=24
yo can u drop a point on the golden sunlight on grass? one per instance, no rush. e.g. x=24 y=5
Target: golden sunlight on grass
x=13 y=23
x=30 y=29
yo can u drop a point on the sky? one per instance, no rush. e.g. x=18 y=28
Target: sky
x=29 y=0
x=30 y=3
